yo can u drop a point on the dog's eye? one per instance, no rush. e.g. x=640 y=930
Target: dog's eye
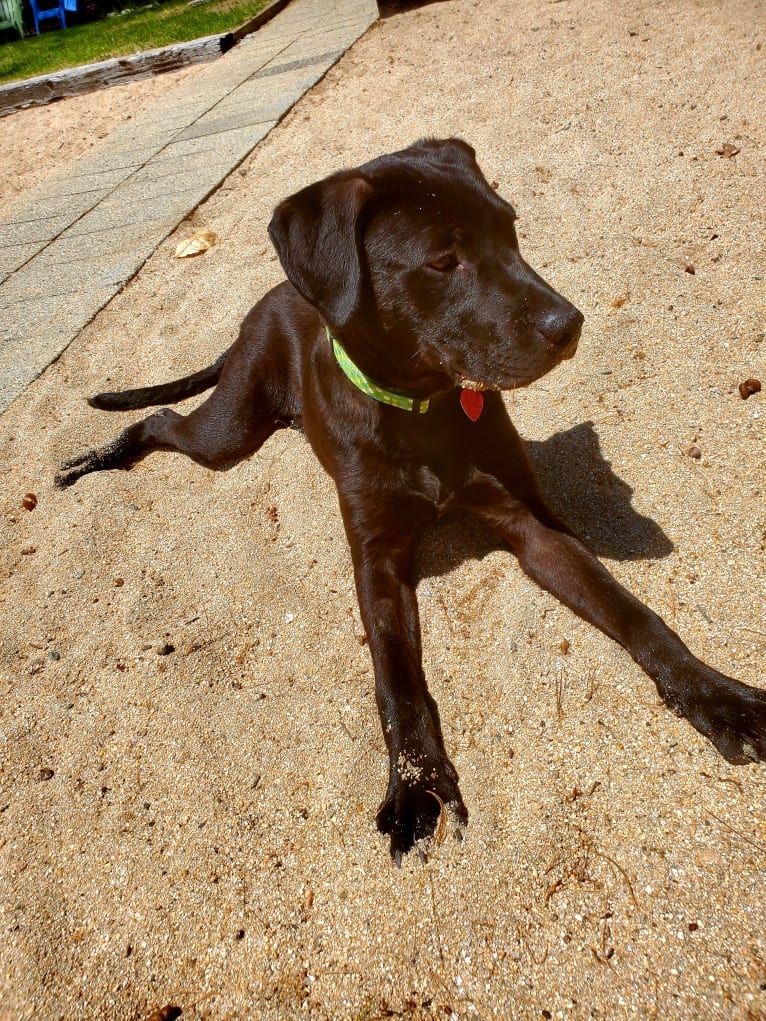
x=445 y=263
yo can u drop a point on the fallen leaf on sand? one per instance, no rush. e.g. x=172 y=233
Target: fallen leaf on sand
x=196 y=244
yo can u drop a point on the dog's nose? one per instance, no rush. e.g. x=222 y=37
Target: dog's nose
x=562 y=326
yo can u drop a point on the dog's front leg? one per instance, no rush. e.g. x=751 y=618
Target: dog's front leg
x=421 y=776
x=729 y=713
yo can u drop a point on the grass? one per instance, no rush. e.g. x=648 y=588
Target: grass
x=126 y=32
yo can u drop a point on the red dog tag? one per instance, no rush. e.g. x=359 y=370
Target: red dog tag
x=472 y=401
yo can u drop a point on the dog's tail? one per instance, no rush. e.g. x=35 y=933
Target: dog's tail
x=164 y=393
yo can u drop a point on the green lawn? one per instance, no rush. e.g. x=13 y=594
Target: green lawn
x=134 y=29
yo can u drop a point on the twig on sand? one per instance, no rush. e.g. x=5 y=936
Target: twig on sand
x=753 y=843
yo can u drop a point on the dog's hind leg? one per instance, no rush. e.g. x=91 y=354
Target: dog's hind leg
x=225 y=429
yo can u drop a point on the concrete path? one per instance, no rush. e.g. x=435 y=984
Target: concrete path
x=73 y=243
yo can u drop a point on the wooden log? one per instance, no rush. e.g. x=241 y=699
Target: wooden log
x=78 y=80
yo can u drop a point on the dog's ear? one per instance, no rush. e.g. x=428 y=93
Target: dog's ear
x=458 y=150
x=316 y=233
x=448 y=151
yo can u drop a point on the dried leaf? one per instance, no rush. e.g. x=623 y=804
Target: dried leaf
x=196 y=244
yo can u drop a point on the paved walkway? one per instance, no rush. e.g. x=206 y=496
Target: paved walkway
x=69 y=246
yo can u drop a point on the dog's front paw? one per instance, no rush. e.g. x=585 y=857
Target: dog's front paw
x=730 y=714
x=416 y=799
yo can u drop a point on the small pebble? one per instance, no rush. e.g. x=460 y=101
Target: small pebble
x=169 y=1013
x=45 y=774
x=694 y=451
x=29 y=501
x=749 y=387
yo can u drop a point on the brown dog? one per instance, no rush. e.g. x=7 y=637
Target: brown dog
x=408 y=308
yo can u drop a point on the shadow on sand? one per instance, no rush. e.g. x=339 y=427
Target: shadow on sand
x=581 y=487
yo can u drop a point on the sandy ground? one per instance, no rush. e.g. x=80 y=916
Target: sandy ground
x=191 y=759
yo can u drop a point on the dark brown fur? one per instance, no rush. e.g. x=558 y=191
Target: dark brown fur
x=412 y=261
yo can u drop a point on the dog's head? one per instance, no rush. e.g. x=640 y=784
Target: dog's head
x=412 y=260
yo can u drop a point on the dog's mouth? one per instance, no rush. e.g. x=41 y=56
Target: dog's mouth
x=510 y=366
x=472 y=384
x=555 y=355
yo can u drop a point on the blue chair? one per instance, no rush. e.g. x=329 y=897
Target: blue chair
x=52 y=12
x=10 y=16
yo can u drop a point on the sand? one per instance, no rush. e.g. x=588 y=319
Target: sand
x=191 y=759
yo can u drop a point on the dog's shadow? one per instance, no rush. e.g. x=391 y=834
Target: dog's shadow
x=580 y=486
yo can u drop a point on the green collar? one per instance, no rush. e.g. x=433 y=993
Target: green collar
x=366 y=385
